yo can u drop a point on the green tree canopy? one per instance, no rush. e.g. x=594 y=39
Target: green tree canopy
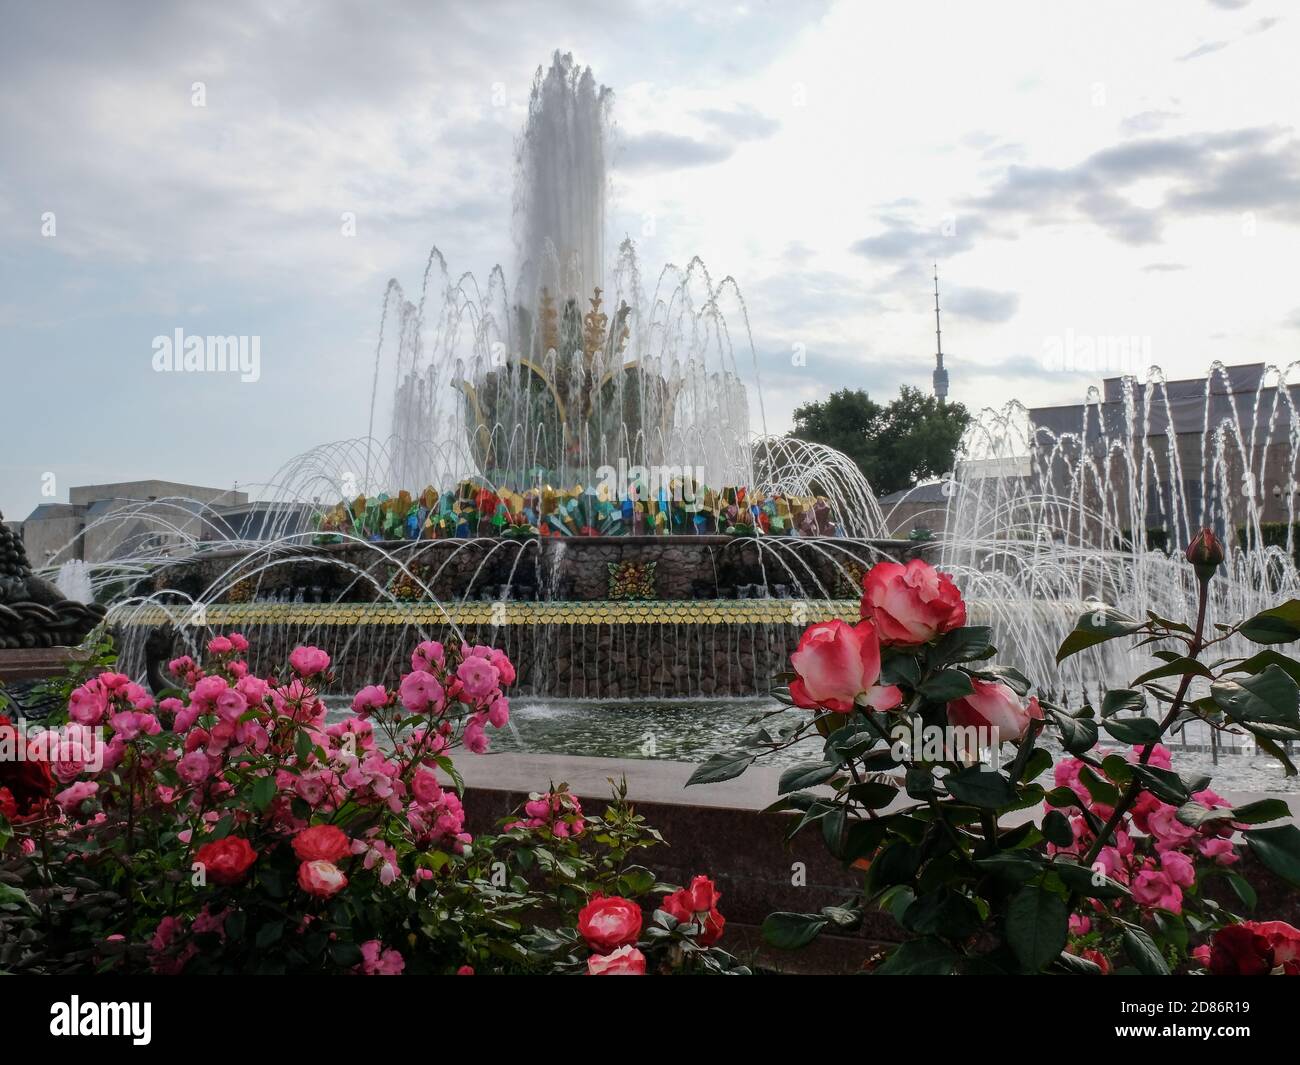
x=913 y=438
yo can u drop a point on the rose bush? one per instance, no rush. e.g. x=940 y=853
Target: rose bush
x=235 y=826
x=927 y=747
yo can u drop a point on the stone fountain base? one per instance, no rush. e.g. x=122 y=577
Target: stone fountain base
x=36 y=663
x=581 y=617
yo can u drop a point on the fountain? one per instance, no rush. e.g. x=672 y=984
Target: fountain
x=568 y=472
x=487 y=511
x=1044 y=518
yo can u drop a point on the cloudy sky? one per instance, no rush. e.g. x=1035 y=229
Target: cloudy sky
x=1091 y=177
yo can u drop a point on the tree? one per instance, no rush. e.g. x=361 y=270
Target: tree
x=913 y=438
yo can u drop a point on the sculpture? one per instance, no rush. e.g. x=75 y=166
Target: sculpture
x=33 y=612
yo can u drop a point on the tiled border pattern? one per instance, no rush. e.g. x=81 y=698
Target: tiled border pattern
x=674 y=612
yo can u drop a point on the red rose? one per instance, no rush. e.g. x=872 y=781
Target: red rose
x=325 y=843
x=1255 y=948
x=836 y=664
x=1240 y=950
x=321 y=878
x=225 y=861
x=606 y=923
x=27 y=779
x=698 y=904
x=911 y=604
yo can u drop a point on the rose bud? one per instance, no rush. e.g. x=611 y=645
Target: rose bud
x=1205 y=552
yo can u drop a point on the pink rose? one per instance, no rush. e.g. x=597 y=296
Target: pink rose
x=420 y=691
x=1218 y=850
x=837 y=663
x=1179 y=867
x=1157 y=890
x=911 y=604
x=994 y=705
x=369 y=698
x=1160 y=756
x=194 y=767
x=230 y=705
x=606 y=923
x=88 y=703
x=425 y=786
x=1170 y=832
x=475 y=736
x=220 y=645
x=71 y=798
x=321 y=878
x=253 y=689
x=478 y=676
x=308 y=661
x=626 y=961
x=428 y=656
x=378 y=961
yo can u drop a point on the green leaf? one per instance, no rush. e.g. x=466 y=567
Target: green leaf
x=1195 y=815
x=921 y=957
x=1056 y=828
x=806 y=775
x=1243 y=889
x=1165 y=785
x=945 y=913
x=1077 y=966
x=1143 y=952
x=1008 y=675
x=967 y=644
x=302 y=745
x=1037 y=924
x=1088 y=882
x=721 y=767
x=1078 y=734
x=979 y=787
x=833 y=825
x=1257 y=663
x=1281 y=624
x=900 y=669
x=790 y=931
x=1270 y=697
x=1016 y=866
x=345 y=954
x=1278 y=849
x=1177 y=668
x=946 y=686
x=1061 y=797
x=919 y=782
x=1122 y=699
x=264 y=791
x=1097 y=626
x=1261 y=811
x=268 y=934
x=14 y=896
x=873 y=794
x=1138 y=731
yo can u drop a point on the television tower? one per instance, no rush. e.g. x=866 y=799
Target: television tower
x=940 y=376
